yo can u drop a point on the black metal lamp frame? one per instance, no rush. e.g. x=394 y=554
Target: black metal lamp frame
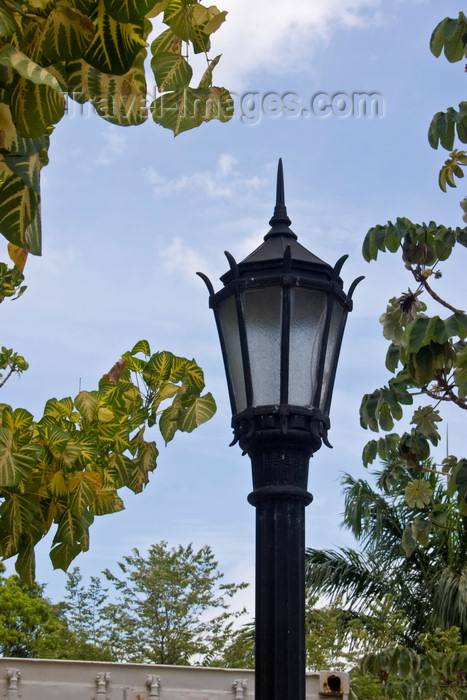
x=280 y=438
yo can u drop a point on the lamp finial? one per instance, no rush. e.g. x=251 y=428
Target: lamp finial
x=280 y=221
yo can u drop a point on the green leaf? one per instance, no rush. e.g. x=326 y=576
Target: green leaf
x=17 y=512
x=461 y=479
x=369 y=452
x=408 y=542
x=120 y=467
x=19 y=203
x=425 y=418
x=171 y=71
x=107 y=501
x=15 y=465
x=421 y=530
x=119 y=99
x=63 y=554
x=392 y=357
x=141 y=346
x=57 y=485
x=187 y=108
x=158 y=369
x=87 y=404
x=201 y=410
x=128 y=10
x=115 y=44
x=206 y=80
x=28 y=69
x=414 y=335
x=437 y=38
x=8 y=24
x=64 y=35
x=166 y=42
x=191 y=374
x=418 y=493
x=35 y=107
x=83 y=487
x=25 y=564
x=454 y=31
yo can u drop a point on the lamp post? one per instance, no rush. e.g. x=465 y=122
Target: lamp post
x=280 y=316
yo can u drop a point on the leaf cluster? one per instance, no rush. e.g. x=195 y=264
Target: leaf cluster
x=450 y=37
x=54 y=51
x=11 y=280
x=12 y=362
x=67 y=467
x=427 y=355
x=398 y=672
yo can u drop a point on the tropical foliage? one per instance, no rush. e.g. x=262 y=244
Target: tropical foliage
x=170 y=606
x=54 y=51
x=403 y=674
x=426 y=582
x=450 y=37
x=403 y=619
x=428 y=356
x=30 y=625
x=67 y=467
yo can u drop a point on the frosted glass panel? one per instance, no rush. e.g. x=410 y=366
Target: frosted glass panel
x=263 y=313
x=333 y=346
x=307 y=320
x=229 y=324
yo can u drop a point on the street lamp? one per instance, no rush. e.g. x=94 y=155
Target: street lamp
x=280 y=316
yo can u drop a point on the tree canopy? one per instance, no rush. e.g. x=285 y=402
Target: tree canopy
x=167 y=606
x=54 y=51
x=67 y=467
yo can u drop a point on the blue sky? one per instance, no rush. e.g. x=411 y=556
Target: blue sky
x=130 y=215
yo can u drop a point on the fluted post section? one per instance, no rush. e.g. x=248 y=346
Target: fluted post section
x=280 y=475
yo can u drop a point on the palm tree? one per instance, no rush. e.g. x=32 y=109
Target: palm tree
x=428 y=582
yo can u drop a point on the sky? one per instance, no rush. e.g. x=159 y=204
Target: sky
x=130 y=215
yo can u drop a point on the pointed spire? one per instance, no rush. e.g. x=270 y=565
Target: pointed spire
x=280 y=222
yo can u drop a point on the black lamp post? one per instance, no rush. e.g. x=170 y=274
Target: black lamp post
x=280 y=318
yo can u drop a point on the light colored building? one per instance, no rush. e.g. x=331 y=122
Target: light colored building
x=37 y=679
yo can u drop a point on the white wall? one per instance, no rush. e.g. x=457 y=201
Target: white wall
x=36 y=679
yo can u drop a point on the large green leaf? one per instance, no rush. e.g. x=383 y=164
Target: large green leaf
x=107 y=501
x=115 y=44
x=8 y=24
x=26 y=562
x=119 y=99
x=28 y=69
x=63 y=554
x=34 y=107
x=119 y=469
x=187 y=108
x=166 y=42
x=128 y=10
x=83 y=487
x=63 y=35
x=87 y=403
x=141 y=346
x=158 y=369
x=201 y=410
x=19 y=207
x=15 y=464
x=16 y=513
x=171 y=71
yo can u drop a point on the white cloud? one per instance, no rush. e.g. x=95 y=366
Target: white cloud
x=114 y=143
x=274 y=36
x=223 y=181
x=185 y=261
